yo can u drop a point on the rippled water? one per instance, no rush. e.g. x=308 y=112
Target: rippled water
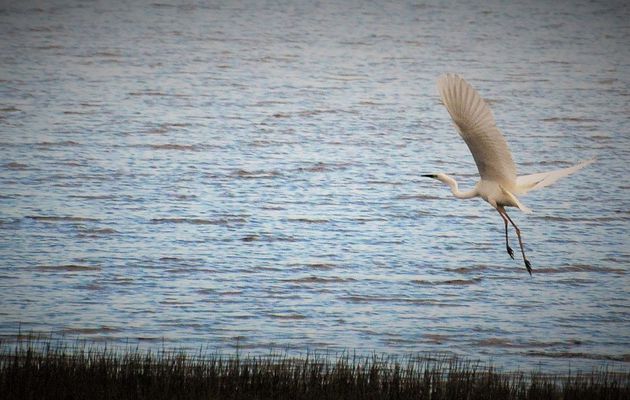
x=248 y=174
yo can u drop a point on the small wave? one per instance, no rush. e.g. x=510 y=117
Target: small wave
x=173 y=146
x=9 y=109
x=267 y=103
x=362 y=220
x=122 y=280
x=609 y=81
x=184 y=197
x=148 y=93
x=287 y=316
x=374 y=103
x=180 y=270
x=353 y=43
x=168 y=146
x=280 y=58
x=64 y=143
x=576 y=282
x=67 y=268
x=455 y=282
x=197 y=221
x=381 y=182
x=105 y=54
x=49 y=47
x=542 y=343
x=45 y=218
x=264 y=143
x=346 y=77
x=16 y=166
x=265 y=237
x=149 y=339
x=281 y=115
x=244 y=174
x=308 y=220
x=396 y=341
x=583 y=219
x=75 y=112
x=312 y=113
x=184 y=8
x=320 y=266
x=549 y=163
x=98 y=232
x=324 y=167
x=76 y=164
x=436 y=338
x=495 y=342
x=460 y=281
x=418 y=197
x=231 y=293
x=89 y=331
x=176 y=302
x=580 y=268
x=176 y=124
x=167 y=258
x=92 y=196
x=318 y=279
x=468 y=270
x=569 y=119
x=250 y=238
x=383 y=299
x=588 y=356
x=273 y=207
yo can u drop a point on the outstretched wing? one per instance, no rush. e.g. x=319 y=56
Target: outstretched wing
x=531 y=182
x=475 y=123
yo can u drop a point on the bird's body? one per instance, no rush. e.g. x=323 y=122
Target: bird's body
x=494 y=193
x=499 y=184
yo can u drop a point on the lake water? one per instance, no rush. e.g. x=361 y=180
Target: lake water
x=248 y=174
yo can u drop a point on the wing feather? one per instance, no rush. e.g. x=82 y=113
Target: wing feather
x=531 y=182
x=476 y=125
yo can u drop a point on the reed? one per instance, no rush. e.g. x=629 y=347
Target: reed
x=45 y=369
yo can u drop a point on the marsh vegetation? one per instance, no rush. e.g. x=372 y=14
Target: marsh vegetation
x=44 y=369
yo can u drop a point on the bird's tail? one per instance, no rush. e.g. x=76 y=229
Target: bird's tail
x=516 y=201
x=527 y=183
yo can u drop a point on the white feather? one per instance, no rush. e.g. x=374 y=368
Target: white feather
x=475 y=123
x=527 y=183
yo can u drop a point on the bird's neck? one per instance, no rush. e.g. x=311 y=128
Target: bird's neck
x=452 y=183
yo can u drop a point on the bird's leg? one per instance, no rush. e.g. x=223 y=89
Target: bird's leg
x=507 y=244
x=528 y=265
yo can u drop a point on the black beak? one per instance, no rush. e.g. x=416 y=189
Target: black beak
x=429 y=176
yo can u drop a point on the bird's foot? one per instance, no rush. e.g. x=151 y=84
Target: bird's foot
x=510 y=252
x=528 y=265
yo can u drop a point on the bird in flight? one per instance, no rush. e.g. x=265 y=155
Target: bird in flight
x=499 y=184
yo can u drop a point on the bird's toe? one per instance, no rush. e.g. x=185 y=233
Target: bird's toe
x=528 y=265
x=510 y=252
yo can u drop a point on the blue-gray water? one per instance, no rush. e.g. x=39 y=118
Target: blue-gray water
x=249 y=173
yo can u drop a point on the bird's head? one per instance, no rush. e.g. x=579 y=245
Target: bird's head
x=439 y=176
x=452 y=183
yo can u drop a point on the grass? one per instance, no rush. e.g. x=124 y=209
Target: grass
x=42 y=369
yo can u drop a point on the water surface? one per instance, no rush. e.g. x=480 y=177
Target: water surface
x=249 y=174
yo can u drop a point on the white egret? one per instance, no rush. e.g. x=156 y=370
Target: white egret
x=499 y=184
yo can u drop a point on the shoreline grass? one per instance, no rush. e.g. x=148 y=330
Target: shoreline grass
x=45 y=369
